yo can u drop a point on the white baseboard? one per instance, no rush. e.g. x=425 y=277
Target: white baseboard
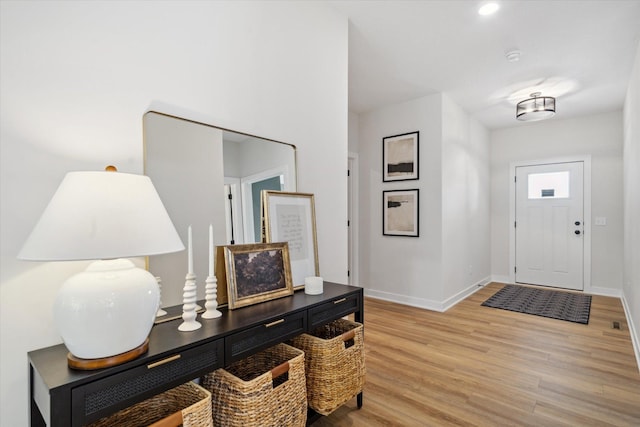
x=635 y=339
x=501 y=279
x=428 y=304
x=451 y=301
x=605 y=292
x=404 y=299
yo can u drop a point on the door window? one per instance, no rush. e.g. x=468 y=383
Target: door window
x=548 y=185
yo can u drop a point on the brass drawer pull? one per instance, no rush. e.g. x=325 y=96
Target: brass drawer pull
x=277 y=322
x=163 y=361
x=340 y=300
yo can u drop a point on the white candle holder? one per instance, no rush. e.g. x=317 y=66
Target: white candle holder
x=189 y=322
x=211 y=299
x=160 y=311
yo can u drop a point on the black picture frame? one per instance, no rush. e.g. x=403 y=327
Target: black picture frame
x=400 y=157
x=401 y=213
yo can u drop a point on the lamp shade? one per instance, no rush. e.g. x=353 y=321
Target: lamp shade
x=102 y=215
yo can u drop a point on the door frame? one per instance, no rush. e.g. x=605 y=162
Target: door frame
x=353 y=232
x=586 y=159
x=247 y=196
x=236 y=206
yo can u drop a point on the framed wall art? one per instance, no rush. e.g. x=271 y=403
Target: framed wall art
x=400 y=157
x=400 y=213
x=257 y=272
x=291 y=217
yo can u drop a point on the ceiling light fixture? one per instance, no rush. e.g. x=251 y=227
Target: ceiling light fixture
x=488 y=8
x=536 y=108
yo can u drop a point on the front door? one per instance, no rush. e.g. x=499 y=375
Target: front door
x=549 y=225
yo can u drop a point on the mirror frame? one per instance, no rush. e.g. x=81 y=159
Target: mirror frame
x=219 y=272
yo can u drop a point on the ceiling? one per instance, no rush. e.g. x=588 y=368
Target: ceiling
x=580 y=52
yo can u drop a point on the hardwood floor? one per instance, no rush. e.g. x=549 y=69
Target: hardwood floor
x=480 y=366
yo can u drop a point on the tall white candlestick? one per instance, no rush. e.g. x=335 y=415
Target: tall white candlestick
x=190 y=253
x=211 y=259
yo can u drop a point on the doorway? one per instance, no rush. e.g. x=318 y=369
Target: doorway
x=551 y=217
x=352 y=219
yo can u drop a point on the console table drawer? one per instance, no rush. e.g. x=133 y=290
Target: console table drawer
x=332 y=310
x=252 y=340
x=103 y=397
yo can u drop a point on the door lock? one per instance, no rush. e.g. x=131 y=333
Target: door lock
x=577 y=223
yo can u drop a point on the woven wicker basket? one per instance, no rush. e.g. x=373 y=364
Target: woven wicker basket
x=265 y=389
x=187 y=405
x=334 y=362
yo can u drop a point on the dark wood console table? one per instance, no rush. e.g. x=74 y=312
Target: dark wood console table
x=60 y=396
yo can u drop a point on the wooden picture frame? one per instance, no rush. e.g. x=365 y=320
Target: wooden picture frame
x=257 y=272
x=400 y=157
x=291 y=217
x=400 y=213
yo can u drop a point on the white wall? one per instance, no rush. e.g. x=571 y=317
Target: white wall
x=354 y=130
x=432 y=270
x=599 y=136
x=406 y=269
x=76 y=80
x=255 y=156
x=631 y=280
x=465 y=200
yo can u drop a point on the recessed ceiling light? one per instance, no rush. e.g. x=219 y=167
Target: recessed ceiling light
x=488 y=8
x=513 y=55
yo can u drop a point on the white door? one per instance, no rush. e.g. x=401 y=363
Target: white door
x=549 y=225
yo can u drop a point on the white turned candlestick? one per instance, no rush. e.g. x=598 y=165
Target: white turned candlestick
x=190 y=260
x=189 y=322
x=211 y=288
x=211 y=297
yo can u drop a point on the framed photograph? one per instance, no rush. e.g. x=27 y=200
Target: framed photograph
x=400 y=157
x=400 y=213
x=291 y=218
x=257 y=272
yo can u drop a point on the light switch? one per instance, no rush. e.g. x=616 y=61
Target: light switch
x=601 y=220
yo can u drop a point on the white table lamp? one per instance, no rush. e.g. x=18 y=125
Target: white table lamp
x=105 y=313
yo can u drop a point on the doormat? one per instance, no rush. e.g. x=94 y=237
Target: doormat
x=541 y=302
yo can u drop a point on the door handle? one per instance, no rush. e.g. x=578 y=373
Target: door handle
x=577 y=231
x=577 y=223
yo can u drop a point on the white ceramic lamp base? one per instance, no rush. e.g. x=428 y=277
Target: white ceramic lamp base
x=106 y=310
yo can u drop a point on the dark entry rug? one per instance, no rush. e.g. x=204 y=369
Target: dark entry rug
x=541 y=302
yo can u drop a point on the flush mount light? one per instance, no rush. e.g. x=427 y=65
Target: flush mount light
x=536 y=108
x=488 y=8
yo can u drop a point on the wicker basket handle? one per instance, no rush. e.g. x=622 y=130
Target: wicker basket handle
x=349 y=335
x=173 y=420
x=282 y=368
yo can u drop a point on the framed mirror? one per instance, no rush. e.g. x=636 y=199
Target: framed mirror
x=210 y=175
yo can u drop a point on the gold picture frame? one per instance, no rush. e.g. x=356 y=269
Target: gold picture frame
x=257 y=272
x=291 y=217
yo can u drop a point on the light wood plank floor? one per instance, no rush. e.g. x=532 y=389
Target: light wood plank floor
x=480 y=366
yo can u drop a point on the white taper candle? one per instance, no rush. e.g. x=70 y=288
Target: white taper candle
x=190 y=252
x=211 y=259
